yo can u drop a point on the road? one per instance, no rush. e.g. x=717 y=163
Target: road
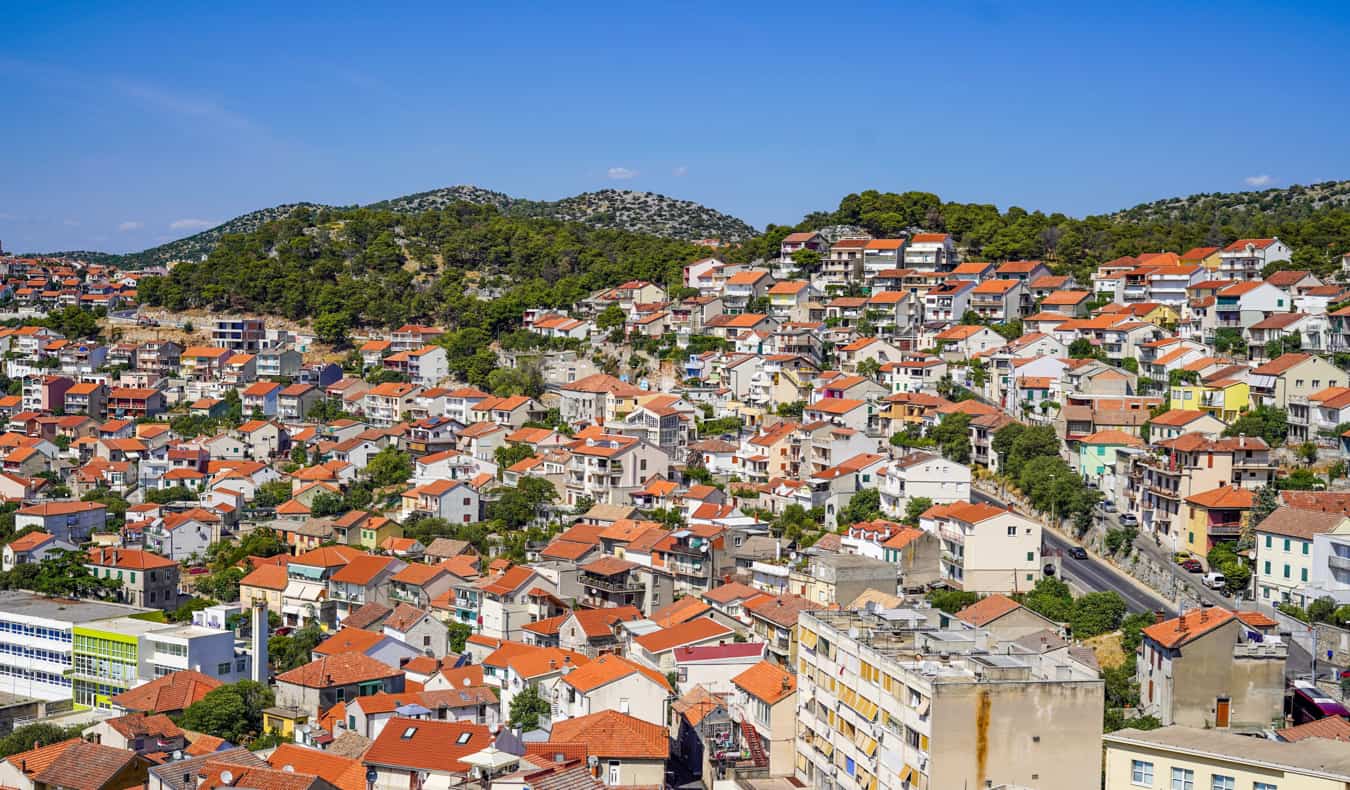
x=1093 y=574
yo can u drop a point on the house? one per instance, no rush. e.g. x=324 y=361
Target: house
x=766 y=702
x=147 y=580
x=138 y=732
x=328 y=680
x=1006 y=620
x=80 y=765
x=930 y=252
x=1289 y=380
x=453 y=500
x=171 y=693
x=773 y=619
x=986 y=548
x=881 y=255
x=1288 y=566
x=71 y=522
x=922 y=475
x=966 y=341
x=365 y=579
x=657 y=649
x=1219 y=514
x=32 y=548
x=613 y=683
x=381 y=647
x=424 y=754
x=626 y=750
x=1204 y=758
x=418 y=628
x=1213 y=667
x=265 y=583
x=1245 y=259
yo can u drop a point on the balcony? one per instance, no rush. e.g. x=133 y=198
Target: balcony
x=616 y=584
x=1225 y=529
x=1338 y=562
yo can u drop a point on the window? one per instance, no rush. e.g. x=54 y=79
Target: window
x=1183 y=779
x=1012 y=532
x=1303 y=574
x=613 y=772
x=1305 y=546
x=1218 y=782
x=408 y=733
x=1267 y=571
x=1141 y=773
x=463 y=738
x=1286 y=544
x=1286 y=571
x=223 y=668
x=1031 y=556
x=1268 y=541
x=1263 y=786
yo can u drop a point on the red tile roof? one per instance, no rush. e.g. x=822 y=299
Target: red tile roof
x=611 y=734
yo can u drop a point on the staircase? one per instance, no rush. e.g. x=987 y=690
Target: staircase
x=750 y=736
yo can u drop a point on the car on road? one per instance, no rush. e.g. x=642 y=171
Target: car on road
x=1215 y=580
x=1193 y=566
x=1078 y=553
x=1129 y=520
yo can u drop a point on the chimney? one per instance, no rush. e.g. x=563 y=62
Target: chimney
x=259 y=642
x=1158 y=616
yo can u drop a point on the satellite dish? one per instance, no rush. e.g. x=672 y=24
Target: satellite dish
x=290 y=769
x=372 y=775
x=226 y=777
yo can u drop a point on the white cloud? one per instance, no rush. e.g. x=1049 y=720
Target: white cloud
x=191 y=224
x=1258 y=181
x=131 y=225
x=621 y=173
x=681 y=171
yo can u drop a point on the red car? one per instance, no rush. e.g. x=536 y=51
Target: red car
x=1193 y=566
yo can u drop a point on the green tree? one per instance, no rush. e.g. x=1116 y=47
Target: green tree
x=952 y=601
x=232 y=712
x=806 y=260
x=864 y=505
x=459 y=636
x=390 y=466
x=952 y=435
x=869 y=368
x=332 y=328
x=292 y=650
x=1082 y=348
x=914 y=508
x=21 y=739
x=508 y=455
x=1052 y=599
x=528 y=707
x=1096 y=613
x=612 y=317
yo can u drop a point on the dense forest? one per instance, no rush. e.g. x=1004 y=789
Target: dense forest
x=370 y=267
x=1313 y=221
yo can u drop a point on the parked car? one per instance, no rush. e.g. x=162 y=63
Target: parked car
x=1193 y=566
x=1129 y=520
x=1215 y=580
x=1078 y=553
x=1108 y=506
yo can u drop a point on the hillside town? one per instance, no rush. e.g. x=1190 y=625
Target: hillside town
x=862 y=515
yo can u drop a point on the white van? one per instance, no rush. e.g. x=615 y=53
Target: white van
x=1215 y=580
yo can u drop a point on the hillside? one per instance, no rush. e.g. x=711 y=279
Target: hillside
x=1295 y=202
x=638 y=212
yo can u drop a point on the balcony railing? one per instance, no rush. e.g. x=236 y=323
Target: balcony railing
x=616 y=584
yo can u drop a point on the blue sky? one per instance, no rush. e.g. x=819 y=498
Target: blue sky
x=127 y=127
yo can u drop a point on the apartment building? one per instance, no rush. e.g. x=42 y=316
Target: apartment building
x=1192 y=464
x=1213 y=668
x=888 y=700
x=607 y=468
x=147 y=579
x=923 y=475
x=986 y=549
x=1245 y=258
x=1189 y=757
x=36 y=638
x=243 y=335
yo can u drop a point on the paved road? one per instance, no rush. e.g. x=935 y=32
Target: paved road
x=1093 y=574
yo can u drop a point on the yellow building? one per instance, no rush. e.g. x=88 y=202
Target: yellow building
x=1216 y=515
x=376 y=529
x=1224 y=398
x=1202 y=758
x=1207 y=257
x=283 y=721
x=1160 y=315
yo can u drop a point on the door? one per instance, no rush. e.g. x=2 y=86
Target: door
x=1221 y=712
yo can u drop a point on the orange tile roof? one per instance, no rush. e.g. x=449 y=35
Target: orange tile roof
x=988 y=609
x=1224 y=497
x=611 y=734
x=608 y=668
x=767 y=682
x=697 y=630
x=342 y=669
x=427 y=744
x=1187 y=627
x=348 y=640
